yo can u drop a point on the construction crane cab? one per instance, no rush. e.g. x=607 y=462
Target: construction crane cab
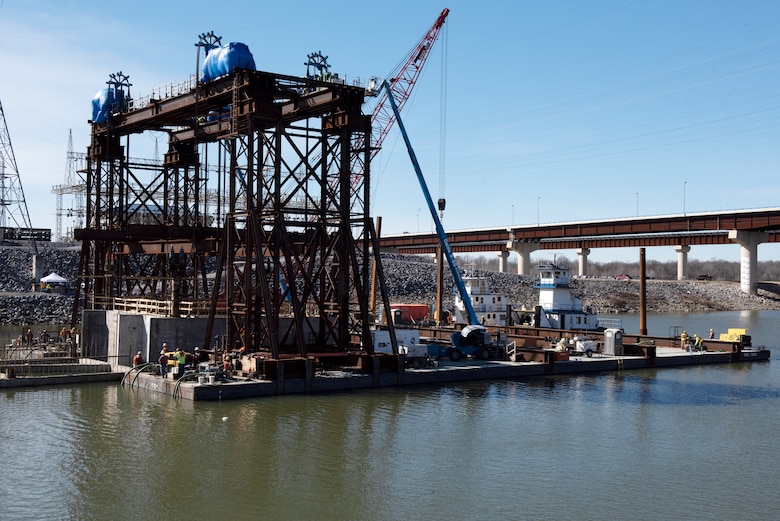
x=473 y=341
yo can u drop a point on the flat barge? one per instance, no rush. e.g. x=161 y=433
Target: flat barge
x=390 y=371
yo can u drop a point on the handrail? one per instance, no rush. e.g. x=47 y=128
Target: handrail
x=169 y=90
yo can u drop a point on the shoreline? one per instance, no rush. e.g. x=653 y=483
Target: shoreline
x=605 y=296
x=410 y=280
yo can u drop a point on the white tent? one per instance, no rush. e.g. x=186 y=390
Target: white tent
x=53 y=278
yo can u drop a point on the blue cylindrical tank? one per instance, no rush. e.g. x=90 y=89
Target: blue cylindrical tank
x=222 y=60
x=103 y=101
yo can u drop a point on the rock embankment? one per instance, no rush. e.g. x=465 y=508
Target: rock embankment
x=412 y=279
x=409 y=279
x=18 y=303
x=35 y=308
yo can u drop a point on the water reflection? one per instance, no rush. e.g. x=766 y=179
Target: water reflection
x=101 y=451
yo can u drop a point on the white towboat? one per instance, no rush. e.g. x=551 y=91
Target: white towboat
x=557 y=307
x=492 y=308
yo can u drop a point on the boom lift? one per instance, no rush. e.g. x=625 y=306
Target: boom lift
x=473 y=339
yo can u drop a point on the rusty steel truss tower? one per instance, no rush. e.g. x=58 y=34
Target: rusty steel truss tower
x=257 y=215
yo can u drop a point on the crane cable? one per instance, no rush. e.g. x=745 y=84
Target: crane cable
x=443 y=116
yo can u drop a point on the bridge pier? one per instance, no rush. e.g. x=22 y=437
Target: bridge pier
x=748 y=258
x=583 y=253
x=682 y=261
x=502 y=260
x=523 y=250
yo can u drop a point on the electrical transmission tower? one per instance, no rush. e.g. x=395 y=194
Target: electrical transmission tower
x=76 y=188
x=14 y=217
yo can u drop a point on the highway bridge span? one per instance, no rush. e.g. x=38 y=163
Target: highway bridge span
x=747 y=228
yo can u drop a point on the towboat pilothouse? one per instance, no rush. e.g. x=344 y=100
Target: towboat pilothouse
x=558 y=308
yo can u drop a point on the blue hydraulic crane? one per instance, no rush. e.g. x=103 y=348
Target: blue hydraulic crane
x=473 y=320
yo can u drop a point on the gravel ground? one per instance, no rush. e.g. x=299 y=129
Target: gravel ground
x=409 y=279
x=18 y=304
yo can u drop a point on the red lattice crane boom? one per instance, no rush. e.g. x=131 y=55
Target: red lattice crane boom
x=401 y=84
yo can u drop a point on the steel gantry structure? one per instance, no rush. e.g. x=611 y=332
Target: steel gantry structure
x=275 y=236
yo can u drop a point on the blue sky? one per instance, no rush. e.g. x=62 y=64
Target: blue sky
x=557 y=111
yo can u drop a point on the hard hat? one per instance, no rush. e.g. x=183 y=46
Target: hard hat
x=165 y=345
x=139 y=352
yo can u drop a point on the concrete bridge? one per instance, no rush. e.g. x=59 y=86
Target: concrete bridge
x=747 y=228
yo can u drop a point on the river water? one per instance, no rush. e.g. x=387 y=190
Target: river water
x=684 y=443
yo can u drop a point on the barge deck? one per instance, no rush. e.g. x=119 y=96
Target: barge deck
x=442 y=372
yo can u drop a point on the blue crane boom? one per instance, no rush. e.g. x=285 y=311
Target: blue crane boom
x=445 y=245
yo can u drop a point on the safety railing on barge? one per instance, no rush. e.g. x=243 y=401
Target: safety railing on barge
x=54 y=366
x=154 y=306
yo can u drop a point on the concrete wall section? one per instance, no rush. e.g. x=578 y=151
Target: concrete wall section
x=116 y=357
x=94 y=334
x=117 y=337
x=186 y=333
x=132 y=337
